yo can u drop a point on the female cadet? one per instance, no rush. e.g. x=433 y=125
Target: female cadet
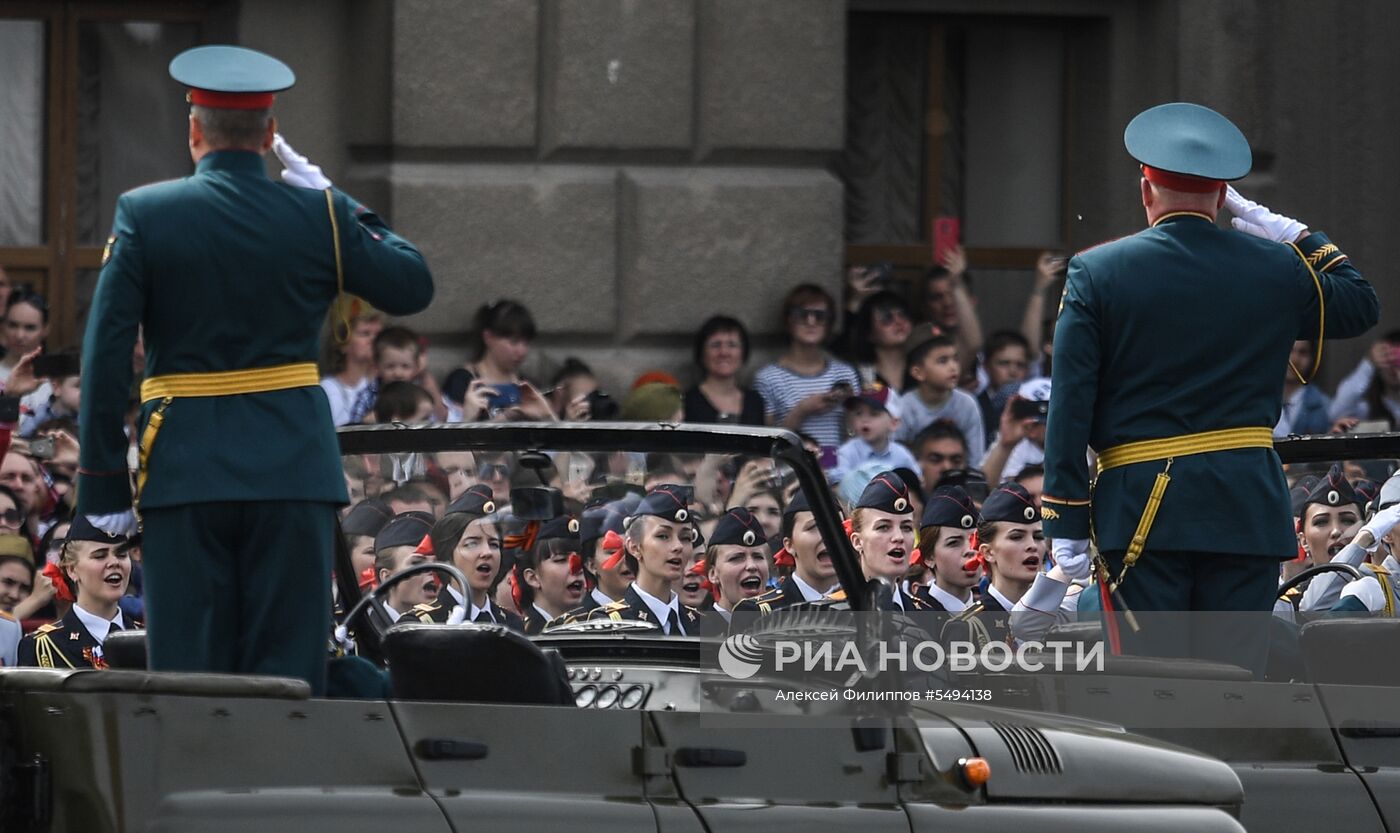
x=736 y=561
x=610 y=575
x=93 y=570
x=1379 y=588
x=945 y=538
x=1013 y=548
x=470 y=535
x=1330 y=511
x=882 y=532
x=813 y=577
x=549 y=574
x=656 y=544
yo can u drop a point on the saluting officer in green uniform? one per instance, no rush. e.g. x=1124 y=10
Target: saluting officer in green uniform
x=1169 y=358
x=231 y=275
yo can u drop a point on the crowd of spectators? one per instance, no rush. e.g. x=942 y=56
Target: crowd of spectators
x=894 y=375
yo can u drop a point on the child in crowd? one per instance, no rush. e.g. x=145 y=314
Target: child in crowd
x=398 y=357
x=403 y=402
x=56 y=399
x=874 y=416
x=934 y=365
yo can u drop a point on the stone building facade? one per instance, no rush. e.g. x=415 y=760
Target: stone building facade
x=628 y=167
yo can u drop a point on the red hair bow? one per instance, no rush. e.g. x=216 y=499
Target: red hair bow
x=515 y=592
x=916 y=558
x=612 y=543
x=783 y=558
x=575 y=563
x=847 y=524
x=368 y=579
x=425 y=546
x=62 y=590
x=977 y=561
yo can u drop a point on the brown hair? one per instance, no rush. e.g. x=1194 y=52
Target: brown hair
x=807 y=293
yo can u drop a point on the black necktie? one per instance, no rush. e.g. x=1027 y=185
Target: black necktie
x=483 y=617
x=673 y=623
x=116 y=626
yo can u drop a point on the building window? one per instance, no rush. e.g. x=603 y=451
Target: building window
x=959 y=117
x=87 y=112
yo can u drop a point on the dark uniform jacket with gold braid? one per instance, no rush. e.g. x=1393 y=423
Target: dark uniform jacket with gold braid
x=784 y=595
x=1183 y=328
x=980 y=623
x=64 y=644
x=228 y=270
x=632 y=609
x=439 y=611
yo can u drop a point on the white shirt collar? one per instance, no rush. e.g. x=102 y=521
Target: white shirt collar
x=661 y=610
x=472 y=613
x=544 y=614
x=457 y=597
x=809 y=592
x=394 y=615
x=724 y=612
x=950 y=602
x=600 y=597
x=1002 y=600
x=96 y=625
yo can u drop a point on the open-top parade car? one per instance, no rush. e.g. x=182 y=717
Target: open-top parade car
x=610 y=725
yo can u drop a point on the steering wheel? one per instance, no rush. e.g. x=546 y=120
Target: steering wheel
x=377 y=627
x=1309 y=574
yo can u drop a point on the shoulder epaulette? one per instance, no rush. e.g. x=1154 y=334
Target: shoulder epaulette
x=425 y=607
x=52 y=626
x=968 y=612
x=837 y=595
x=6 y=615
x=611 y=606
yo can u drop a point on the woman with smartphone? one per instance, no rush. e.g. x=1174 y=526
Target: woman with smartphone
x=490 y=388
x=806 y=389
x=877 y=342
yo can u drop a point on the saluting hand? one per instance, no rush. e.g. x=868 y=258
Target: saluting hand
x=1254 y=219
x=299 y=170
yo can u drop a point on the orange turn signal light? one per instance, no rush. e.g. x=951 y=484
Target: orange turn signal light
x=975 y=771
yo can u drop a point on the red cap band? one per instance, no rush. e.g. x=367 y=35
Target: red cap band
x=231 y=101
x=1179 y=182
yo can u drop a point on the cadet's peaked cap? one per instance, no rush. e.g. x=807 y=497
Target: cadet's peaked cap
x=663 y=503
x=797 y=504
x=476 y=500
x=738 y=528
x=81 y=529
x=950 y=506
x=595 y=523
x=1188 y=140
x=231 y=77
x=886 y=492
x=564 y=528
x=406 y=530
x=1390 y=492
x=1334 y=490
x=1010 y=502
x=367 y=517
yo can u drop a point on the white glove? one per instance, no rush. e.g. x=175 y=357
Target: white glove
x=1253 y=218
x=1369 y=591
x=118 y=523
x=1382 y=523
x=458 y=614
x=299 y=171
x=1072 y=557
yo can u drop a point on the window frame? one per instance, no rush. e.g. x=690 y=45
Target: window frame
x=59 y=257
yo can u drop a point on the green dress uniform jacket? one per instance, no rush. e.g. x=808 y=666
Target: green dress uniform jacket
x=1183 y=328
x=228 y=270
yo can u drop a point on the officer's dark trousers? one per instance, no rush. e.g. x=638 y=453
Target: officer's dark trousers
x=1211 y=606
x=239 y=587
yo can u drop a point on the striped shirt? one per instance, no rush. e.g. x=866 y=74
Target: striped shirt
x=782 y=389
